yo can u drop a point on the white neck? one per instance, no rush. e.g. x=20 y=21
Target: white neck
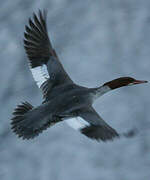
x=101 y=90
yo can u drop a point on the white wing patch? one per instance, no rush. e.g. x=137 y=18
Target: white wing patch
x=77 y=123
x=40 y=74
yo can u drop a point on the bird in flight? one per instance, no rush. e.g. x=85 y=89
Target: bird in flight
x=63 y=100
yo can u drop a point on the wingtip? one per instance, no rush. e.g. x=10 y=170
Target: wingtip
x=43 y=13
x=100 y=133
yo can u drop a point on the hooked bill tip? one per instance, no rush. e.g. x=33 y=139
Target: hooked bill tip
x=140 y=81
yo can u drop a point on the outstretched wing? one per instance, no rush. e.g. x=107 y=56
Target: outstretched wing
x=45 y=66
x=92 y=125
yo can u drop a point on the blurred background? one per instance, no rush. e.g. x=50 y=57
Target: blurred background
x=96 y=41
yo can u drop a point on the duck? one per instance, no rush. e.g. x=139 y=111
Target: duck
x=63 y=100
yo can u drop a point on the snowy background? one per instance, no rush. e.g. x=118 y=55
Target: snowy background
x=96 y=40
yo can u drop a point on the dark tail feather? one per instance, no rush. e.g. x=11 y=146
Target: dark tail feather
x=28 y=122
x=19 y=111
x=18 y=117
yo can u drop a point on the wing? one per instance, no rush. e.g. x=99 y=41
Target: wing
x=45 y=66
x=92 y=125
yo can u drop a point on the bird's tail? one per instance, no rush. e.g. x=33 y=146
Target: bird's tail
x=28 y=122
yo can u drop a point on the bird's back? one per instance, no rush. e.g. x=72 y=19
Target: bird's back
x=68 y=98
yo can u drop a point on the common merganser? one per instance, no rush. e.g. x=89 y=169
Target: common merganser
x=63 y=99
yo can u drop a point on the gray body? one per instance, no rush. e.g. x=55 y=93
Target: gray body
x=68 y=99
x=63 y=99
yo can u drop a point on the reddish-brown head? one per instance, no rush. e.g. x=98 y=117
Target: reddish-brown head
x=123 y=81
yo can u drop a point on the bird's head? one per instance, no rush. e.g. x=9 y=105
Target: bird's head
x=123 y=81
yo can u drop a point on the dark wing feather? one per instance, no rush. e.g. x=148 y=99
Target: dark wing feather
x=40 y=52
x=97 y=129
x=37 y=43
